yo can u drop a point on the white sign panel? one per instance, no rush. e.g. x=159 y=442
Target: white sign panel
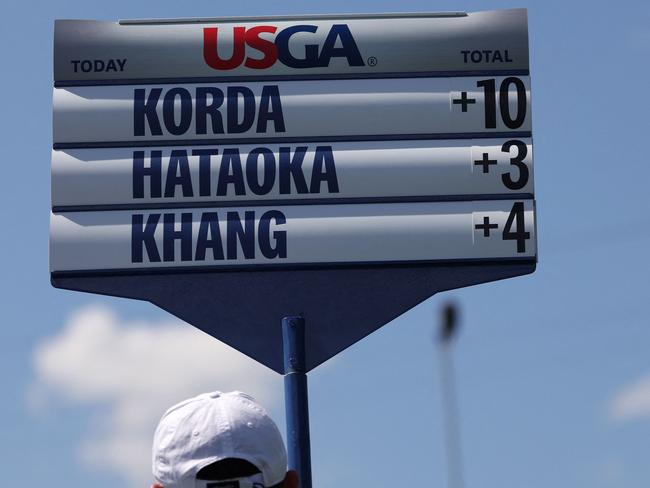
x=293 y=109
x=87 y=51
x=344 y=170
x=325 y=234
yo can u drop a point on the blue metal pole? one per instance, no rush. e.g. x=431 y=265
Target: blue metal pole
x=295 y=398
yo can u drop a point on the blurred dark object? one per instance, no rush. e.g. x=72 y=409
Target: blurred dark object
x=448 y=331
x=449 y=325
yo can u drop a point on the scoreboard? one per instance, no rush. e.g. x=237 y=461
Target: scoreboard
x=369 y=145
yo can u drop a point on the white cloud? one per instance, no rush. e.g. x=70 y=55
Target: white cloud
x=632 y=401
x=135 y=371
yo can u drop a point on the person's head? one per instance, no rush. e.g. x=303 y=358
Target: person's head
x=219 y=440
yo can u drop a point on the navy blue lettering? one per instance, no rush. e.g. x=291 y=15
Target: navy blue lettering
x=98 y=65
x=154 y=172
x=324 y=170
x=291 y=168
x=204 y=169
x=284 y=54
x=209 y=237
x=279 y=236
x=252 y=172
x=348 y=49
x=270 y=109
x=170 y=235
x=142 y=109
x=203 y=109
x=178 y=173
x=230 y=160
x=234 y=125
x=169 y=113
x=244 y=235
x=140 y=236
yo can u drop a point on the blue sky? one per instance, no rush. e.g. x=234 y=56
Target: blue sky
x=553 y=369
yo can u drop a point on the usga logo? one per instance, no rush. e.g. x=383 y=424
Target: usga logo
x=339 y=43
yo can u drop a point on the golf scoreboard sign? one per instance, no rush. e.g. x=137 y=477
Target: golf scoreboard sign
x=234 y=171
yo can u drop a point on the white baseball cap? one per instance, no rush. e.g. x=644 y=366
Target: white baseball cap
x=214 y=426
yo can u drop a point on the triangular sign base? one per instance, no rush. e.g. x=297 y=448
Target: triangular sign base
x=245 y=308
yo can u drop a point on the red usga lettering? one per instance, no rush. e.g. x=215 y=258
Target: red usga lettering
x=339 y=43
x=241 y=38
